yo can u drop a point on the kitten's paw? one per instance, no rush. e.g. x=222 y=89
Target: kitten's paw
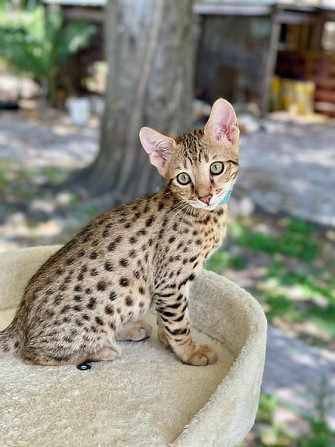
x=137 y=331
x=203 y=355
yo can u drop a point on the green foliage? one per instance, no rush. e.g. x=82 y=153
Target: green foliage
x=310 y=282
x=35 y=45
x=268 y=434
x=14 y=179
x=267 y=407
x=221 y=260
x=297 y=240
x=21 y=38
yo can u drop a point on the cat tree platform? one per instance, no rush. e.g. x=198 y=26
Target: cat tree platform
x=147 y=397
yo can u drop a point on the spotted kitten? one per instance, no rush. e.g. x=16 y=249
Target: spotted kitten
x=89 y=294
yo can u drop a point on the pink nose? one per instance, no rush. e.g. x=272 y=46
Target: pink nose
x=206 y=199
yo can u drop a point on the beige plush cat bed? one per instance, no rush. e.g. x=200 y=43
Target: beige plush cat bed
x=147 y=397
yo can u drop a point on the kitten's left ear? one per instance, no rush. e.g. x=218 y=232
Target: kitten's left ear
x=222 y=123
x=158 y=146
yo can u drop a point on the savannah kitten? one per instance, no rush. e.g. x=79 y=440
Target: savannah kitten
x=90 y=293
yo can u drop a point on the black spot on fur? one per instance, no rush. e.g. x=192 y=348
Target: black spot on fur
x=58 y=300
x=166 y=313
x=99 y=321
x=180 y=331
x=124 y=262
x=101 y=286
x=112 y=296
x=150 y=220
x=78 y=322
x=109 y=309
x=92 y=303
x=124 y=282
x=112 y=246
x=129 y=301
x=179 y=318
x=65 y=309
x=109 y=266
x=132 y=254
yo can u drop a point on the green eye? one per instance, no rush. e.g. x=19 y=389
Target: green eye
x=183 y=178
x=216 y=168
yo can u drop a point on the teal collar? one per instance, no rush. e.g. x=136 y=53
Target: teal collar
x=226 y=198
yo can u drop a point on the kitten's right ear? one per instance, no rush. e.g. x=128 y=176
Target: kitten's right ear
x=158 y=146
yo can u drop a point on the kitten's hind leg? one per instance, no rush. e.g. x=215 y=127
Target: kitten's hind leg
x=107 y=353
x=109 y=350
x=134 y=331
x=43 y=360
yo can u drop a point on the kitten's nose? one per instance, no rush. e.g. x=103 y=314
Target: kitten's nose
x=206 y=199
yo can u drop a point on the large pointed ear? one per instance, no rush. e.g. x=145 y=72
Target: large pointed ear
x=158 y=146
x=222 y=123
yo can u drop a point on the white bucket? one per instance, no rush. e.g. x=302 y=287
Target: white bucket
x=79 y=109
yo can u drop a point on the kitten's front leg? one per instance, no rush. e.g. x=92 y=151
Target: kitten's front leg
x=173 y=316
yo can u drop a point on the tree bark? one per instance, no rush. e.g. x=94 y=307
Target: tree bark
x=149 y=50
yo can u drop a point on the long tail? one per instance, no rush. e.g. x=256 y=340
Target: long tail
x=10 y=341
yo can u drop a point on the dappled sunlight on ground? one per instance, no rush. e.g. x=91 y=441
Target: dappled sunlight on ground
x=37 y=144
x=290 y=169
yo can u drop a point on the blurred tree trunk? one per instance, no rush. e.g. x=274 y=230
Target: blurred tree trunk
x=149 y=50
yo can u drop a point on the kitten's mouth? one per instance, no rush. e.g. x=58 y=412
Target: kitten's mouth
x=214 y=202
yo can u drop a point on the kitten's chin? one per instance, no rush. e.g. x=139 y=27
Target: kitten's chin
x=203 y=206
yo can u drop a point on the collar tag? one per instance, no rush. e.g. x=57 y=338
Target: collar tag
x=226 y=198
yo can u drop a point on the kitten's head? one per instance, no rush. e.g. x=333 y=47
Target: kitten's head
x=200 y=166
